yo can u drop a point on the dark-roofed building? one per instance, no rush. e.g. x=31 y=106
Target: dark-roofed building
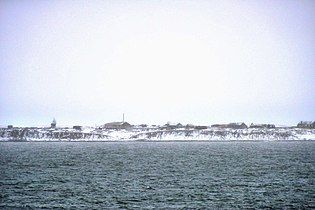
x=240 y=125
x=117 y=125
x=170 y=126
x=77 y=127
x=201 y=127
x=237 y=125
x=218 y=125
x=306 y=124
x=189 y=126
x=262 y=125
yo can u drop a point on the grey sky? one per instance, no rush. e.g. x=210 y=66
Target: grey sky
x=87 y=62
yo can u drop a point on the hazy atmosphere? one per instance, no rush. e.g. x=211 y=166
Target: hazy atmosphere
x=201 y=62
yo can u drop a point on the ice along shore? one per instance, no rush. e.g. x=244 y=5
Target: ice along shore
x=122 y=131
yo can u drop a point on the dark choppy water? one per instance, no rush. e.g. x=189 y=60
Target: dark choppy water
x=157 y=175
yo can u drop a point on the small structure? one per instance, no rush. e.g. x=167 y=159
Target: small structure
x=239 y=125
x=262 y=126
x=200 y=127
x=10 y=126
x=77 y=127
x=306 y=124
x=53 y=124
x=218 y=125
x=179 y=125
x=117 y=125
x=170 y=126
x=189 y=126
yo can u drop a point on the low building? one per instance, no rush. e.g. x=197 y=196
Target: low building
x=218 y=126
x=189 y=126
x=306 y=124
x=170 y=126
x=262 y=126
x=77 y=127
x=239 y=125
x=200 y=127
x=117 y=125
x=179 y=125
x=143 y=125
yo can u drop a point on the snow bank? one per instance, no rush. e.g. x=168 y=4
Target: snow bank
x=136 y=134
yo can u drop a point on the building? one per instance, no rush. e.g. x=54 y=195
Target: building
x=77 y=127
x=200 y=127
x=189 y=126
x=218 y=126
x=262 y=125
x=170 y=126
x=306 y=124
x=239 y=125
x=117 y=125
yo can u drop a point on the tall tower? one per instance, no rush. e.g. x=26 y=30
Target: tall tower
x=53 y=124
x=123 y=118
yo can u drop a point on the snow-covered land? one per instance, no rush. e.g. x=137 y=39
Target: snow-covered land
x=158 y=133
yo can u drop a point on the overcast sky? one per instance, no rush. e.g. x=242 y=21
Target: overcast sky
x=200 y=62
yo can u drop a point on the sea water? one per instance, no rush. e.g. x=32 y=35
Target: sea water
x=157 y=175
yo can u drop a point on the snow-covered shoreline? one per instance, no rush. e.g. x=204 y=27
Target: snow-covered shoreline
x=155 y=134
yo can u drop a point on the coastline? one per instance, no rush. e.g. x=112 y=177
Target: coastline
x=154 y=135
x=159 y=141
